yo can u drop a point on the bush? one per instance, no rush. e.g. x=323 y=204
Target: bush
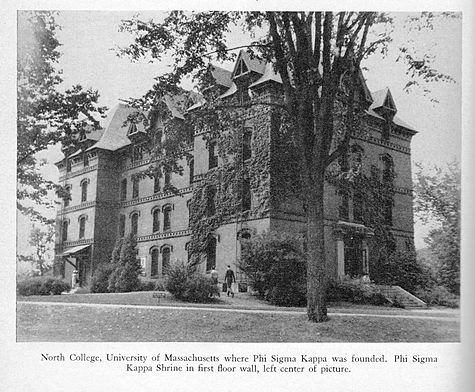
x=402 y=269
x=438 y=295
x=275 y=267
x=126 y=267
x=359 y=294
x=42 y=286
x=187 y=285
x=100 y=278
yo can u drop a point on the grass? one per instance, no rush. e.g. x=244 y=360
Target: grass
x=43 y=322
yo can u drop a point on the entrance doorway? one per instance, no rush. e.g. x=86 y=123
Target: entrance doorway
x=353 y=255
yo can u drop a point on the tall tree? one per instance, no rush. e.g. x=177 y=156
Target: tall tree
x=437 y=202
x=42 y=240
x=318 y=56
x=46 y=115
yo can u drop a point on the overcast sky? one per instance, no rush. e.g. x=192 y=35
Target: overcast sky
x=88 y=58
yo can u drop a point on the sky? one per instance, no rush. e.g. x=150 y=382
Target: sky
x=89 y=39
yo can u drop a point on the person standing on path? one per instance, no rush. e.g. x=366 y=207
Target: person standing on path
x=230 y=279
x=214 y=278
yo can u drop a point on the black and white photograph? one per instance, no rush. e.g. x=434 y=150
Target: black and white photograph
x=256 y=176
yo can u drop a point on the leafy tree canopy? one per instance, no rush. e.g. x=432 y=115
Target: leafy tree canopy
x=46 y=112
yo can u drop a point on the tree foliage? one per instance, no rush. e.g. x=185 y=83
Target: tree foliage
x=42 y=240
x=437 y=201
x=46 y=112
x=318 y=56
x=126 y=266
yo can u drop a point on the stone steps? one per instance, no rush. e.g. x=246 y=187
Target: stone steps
x=400 y=297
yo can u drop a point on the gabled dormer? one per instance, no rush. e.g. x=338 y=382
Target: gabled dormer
x=136 y=132
x=384 y=104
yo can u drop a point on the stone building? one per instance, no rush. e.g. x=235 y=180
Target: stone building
x=109 y=200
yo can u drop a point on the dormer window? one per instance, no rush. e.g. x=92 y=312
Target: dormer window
x=241 y=69
x=132 y=129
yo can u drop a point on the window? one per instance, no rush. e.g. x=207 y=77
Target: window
x=137 y=153
x=154 y=265
x=86 y=160
x=386 y=131
x=68 y=165
x=246 y=194
x=212 y=157
x=65 y=231
x=135 y=187
x=67 y=197
x=211 y=254
x=121 y=225
x=388 y=169
x=123 y=189
x=82 y=227
x=156 y=183
x=211 y=202
x=388 y=212
x=358 y=207
x=165 y=260
x=156 y=220
x=84 y=191
x=168 y=178
x=167 y=218
x=344 y=205
x=191 y=165
x=134 y=223
x=246 y=144
x=241 y=68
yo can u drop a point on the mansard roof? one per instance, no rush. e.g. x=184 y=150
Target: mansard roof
x=222 y=76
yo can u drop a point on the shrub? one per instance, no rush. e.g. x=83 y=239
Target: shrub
x=126 y=267
x=100 y=278
x=402 y=269
x=187 y=285
x=42 y=286
x=438 y=295
x=359 y=294
x=275 y=267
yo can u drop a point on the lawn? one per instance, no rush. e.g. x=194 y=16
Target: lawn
x=43 y=322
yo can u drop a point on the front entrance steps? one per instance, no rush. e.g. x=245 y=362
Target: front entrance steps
x=400 y=297
x=396 y=295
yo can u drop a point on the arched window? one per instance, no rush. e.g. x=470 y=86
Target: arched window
x=212 y=156
x=67 y=197
x=211 y=253
x=165 y=260
x=156 y=220
x=168 y=178
x=64 y=231
x=344 y=207
x=135 y=187
x=154 y=265
x=167 y=211
x=123 y=189
x=84 y=191
x=134 y=223
x=246 y=194
x=191 y=165
x=82 y=227
x=211 y=200
x=246 y=144
x=121 y=225
x=156 y=183
x=388 y=168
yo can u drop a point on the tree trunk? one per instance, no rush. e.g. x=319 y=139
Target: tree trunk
x=316 y=265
